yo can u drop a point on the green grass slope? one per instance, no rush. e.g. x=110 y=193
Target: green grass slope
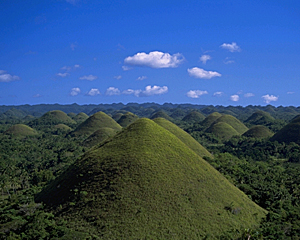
x=210 y=119
x=127 y=118
x=145 y=183
x=260 y=118
x=222 y=130
x=259 y=131
x=183 y=136
x=95 y=122
x=233 y=122
x=52 y=118
x=20 y=130
x=80 y=117
x=117 y=116
x=193 y=117
x=99 y=136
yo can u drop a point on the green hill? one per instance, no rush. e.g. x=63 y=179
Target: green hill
x=62 y=127
x=210 y=119
x=95 y=122
x=80 y=117
x=20 y=130
x=289 y=133
x=145 y=183
x=117 y=116
x=127 y=118
x=260 y=118
x=233 y=122
x=222 y=130
x=161 y=114
x=52 y=118
x=99 y=136
x=178 y=114
x=183 y=136
x=193 y=117
x=259 y=131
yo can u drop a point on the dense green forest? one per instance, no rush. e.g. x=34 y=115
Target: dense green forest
x=256 y=148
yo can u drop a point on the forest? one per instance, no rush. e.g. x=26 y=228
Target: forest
x=256 y=148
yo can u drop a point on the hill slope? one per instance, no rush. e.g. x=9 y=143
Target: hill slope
x=233 y=122
x=146 y=183
x=99 y=136
x=222 y=130
x=95 y=122
x=194 y=116
x=127 y=118
x=260 y=118
x=183 y=136
x=258 y=131
x=20 y=130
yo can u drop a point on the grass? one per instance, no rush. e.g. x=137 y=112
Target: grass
x=161 y=114
x=20 y=130
x=52 y=118
x=127 y=118
x=260 y=118
x=289 y=133
x=146 y=183
x=233 y=122
x=210 y=119
x=80 y=117
x=95 y=122
x=183 y=136
x=194 y=116
x=99 y=136
x=222 y=130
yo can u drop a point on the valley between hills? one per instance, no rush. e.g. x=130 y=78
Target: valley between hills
x=149 y=171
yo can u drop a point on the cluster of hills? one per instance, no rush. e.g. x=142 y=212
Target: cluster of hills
x=146 y=177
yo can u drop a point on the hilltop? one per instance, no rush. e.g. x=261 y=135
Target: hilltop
x=146 y=183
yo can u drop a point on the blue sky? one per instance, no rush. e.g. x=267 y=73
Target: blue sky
x=233 y=52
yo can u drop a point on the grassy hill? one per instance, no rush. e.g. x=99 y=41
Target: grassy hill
x=95 y=122
x=145 y=183
x=193 y=117
x=260 y=118
x=161 y=114
x=259 y=131
x=222 y=130
x=289 y=133
x=80 y=117
x=183 y=136
x=52 y=118
x=233 y=122
x=20 y=130
x=210 y=119
x=127 y=118
x=99 y=136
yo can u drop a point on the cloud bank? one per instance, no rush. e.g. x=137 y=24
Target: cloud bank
x=112 y=91
x=93 y=92
x=196 y=93
x=155 y=59
x=75 y=91
x=5 y=77
x=233 y=47
x=89 y=77
x=269 y=98
x=201 y=73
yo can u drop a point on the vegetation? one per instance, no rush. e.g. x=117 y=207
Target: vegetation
x=127 y=118
x=148 y=174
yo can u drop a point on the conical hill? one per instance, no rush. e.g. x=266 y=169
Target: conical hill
x=52 y=118
x=161 y=114
x=222 y=130
x=99 y=136
x=127 y=118
x=259 y=131
x=260 y=118
x=95 y=122
x=20 y=130
x=210 y=119
x=233 y=122
x=145 y=183
x=289 y=133
x=193 y=117
x=183 y=136
x=80 y=117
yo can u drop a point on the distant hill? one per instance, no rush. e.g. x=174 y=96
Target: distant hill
x=52 y=118
x=194 y=117
x=80 y=117
x=260 y=118
x=95 y=122
x=233 y=122
x=222 y=130
x=127 y=118
x=161 y=114
x=259 y=131
x=99 y=136
x=178 y=113
x=289 y=133
x=145 y=183
x=210 y=119
x=183 y=136
x=20 y=130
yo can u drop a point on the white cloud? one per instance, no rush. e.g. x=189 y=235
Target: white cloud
x=89 y=77
x=228 y=60
x=93 y=92
x=234 y=98
x=141 y=78
x=75 y=91
x=62 y=74
x=269 y=98
x=118 y=77
x=201 y=73
x=5 y=77
x=218 y=94
x=233 y=47
x=149 y=91
x=205 y=58
x=155 y=59
x=126 y=68
x=249 y=95
x=195 y=93
x=112 y=91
